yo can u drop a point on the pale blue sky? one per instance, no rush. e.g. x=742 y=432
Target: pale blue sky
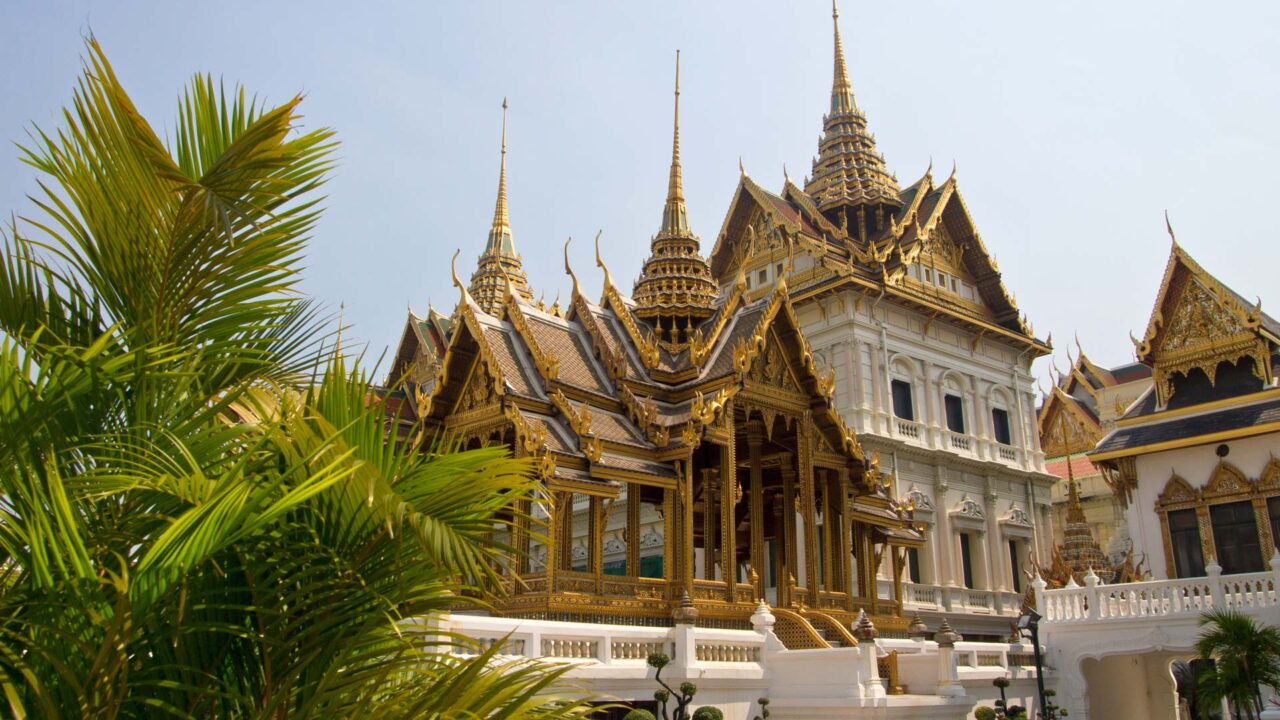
x=1074 y=125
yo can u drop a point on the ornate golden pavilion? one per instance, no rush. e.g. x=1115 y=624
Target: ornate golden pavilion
x=688 y=403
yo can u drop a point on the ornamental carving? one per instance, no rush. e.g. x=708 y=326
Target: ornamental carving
x=1226 y=480
x=916 y=499
x=1177 y=492
x=1017 y=516
x=969 y=508
x=1198 y=319
x=479 y=390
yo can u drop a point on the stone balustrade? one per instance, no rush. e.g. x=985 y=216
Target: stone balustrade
x=1184 y=597
x=920 y=596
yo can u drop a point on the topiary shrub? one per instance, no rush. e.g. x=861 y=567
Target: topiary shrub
x=984 y=713
x=708 y=713
x=638 y=715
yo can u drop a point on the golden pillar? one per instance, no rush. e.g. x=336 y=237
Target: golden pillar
x=633 y=530
x=755 y=439
x=728 y=516
x=788 y=537
x=807 y=506
x=595 y=539
x=710 y=494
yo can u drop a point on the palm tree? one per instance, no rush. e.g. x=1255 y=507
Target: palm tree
x=201 y=512
x=1245 y=658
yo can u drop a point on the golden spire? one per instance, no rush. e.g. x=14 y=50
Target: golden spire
x=849 y=171
x=500 y=234
x=841 y=91
x=675 y=216
x=499 y=263
x=676 y=280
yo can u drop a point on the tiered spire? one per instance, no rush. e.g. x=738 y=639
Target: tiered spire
x=499 y=263
x=849 y=172
x=675 y=289
x=1079 y=551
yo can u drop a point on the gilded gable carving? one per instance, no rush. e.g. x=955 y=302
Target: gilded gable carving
x=1065 y=433
x=1198 y=319
x=479 y=390
x=1176 y=492
x=1226 y=480
x=771 y=369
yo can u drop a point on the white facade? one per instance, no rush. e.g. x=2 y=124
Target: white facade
x=961 y=483
x=1195 y=465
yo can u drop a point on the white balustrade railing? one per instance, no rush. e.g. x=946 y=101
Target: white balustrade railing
x=1097 y=602
x=916 y=594
x=600 y=643
x=964 y=443
x=1007 y=453
x=908 y=429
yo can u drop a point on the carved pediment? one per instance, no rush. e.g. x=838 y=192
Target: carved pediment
x=1017 y=516
x=1226 y=480
x=1064 y=432
x=1270 y=478
x=970 y=509
x=770 y=368
x=918 y=500
x=479 y=391
x=1176 y=492
x=1198 y=319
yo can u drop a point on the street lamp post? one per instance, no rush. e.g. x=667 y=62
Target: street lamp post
x=1030 y=621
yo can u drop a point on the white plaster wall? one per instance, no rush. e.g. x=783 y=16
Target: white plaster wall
x=1195 y=465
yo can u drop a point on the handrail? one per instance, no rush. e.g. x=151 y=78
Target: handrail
x=795 y=632
x=830 y=624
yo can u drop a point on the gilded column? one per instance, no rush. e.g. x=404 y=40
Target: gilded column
x=783 y=569
x=669 y=541
x=845 y=523
x=728 y=508
x=1263 y=519
x=634 y=532
x=830 y=575
x=789 y=537
x=595 y=539
x=686 y=526
x=755 y=439
x=710 y=518
x=808 y=508
x=523 y=510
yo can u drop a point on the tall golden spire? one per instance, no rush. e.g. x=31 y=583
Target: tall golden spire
x=849 y=172
x=675 y=290
x=841 y=91
x=500 y=233
x=675 y=216
x=499 y=263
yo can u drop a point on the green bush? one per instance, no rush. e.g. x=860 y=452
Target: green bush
x=638 y=715
x=708 y=713
x=984 y=713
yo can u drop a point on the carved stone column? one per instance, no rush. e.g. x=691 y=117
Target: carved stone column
x=944 y=539
x=996 y=573
x=755 y=440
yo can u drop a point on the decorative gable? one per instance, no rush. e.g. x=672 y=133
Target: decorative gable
x=1198 y=324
